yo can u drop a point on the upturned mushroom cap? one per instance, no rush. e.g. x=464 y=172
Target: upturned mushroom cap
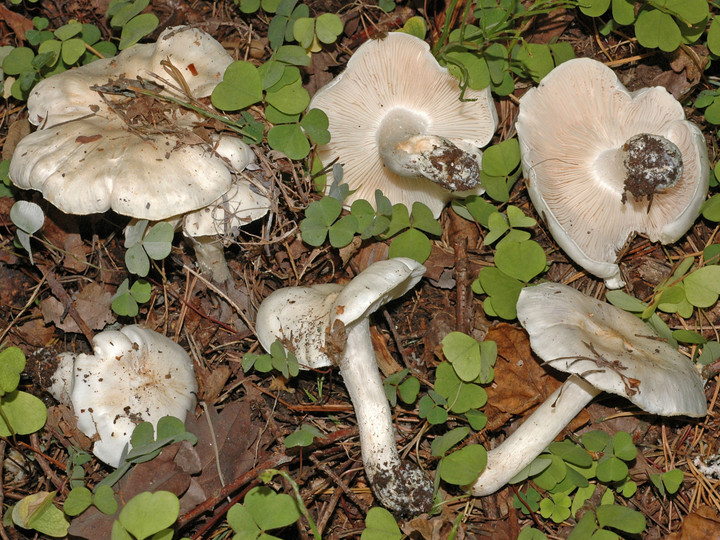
x=572 y=130
x=329 y=325
x=298 y=317
x=603 y=348
x=611 y=349
x=393 y=88
x=85 y=159
x=135 y=375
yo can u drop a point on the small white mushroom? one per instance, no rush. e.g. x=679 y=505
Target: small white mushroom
x=603 y=163
x=328 y=325
x=604 y=349
x=397 y=124
x=91 y=154
x=135 y=375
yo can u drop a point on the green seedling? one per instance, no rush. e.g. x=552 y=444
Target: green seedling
x=399 y=384
x=501 y=169
x=126 y=299
x=262 y=510
x=571 y=473
x=380 y=525
x=147 y=515
x=303 y=436
x=708 y=100
x=668 y=482
x=279 y=84
x=127 y=15
x=81 y=498
x=278 y=359
x=144 y=242
x=29 y=218
x=145 y=445
x=663 y=24
x=52 y=52
x=432 y=407
x=477 y=53
x=21 y=413
x=5 y=181
x=37 y=512
x=310 y=32
x=408 y=231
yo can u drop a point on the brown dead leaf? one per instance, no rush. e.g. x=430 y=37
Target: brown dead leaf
x=16 y=131
x=521 y=382
x=211 y=382
x=92 y=303
x=36 y=333
x=434 y=528
x=703 y=523
x=170 y=471
x=16 y=22
x=237 y=447
x=387 y=364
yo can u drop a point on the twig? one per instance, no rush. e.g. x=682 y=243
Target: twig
x=44 y=465
x=3 y=534
x=59 y=291
x=276 y=460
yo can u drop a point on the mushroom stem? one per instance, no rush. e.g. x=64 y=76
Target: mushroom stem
x=399 y=486
x=210 y=256
x=534 y=435
x=652 y=164
x=408 y=150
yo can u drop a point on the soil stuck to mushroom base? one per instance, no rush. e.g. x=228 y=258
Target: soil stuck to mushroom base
x=653 y=164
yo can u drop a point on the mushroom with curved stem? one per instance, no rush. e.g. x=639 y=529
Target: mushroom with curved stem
x=328 y=325
x=91 y=153
x=134 y=375
x=398 y=124
x=605 y=349
x=603 y=163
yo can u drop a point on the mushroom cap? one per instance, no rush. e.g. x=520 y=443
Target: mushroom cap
x=135 y=375
x=569 y=128
x=66 y=96
x=300 y=316
x=611 y=349
x=83 y=157
x=375 y=286
x=241 y=204
x=398 y=72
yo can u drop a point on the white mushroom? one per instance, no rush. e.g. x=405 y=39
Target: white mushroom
x=329 y=325
x=605 y=349
x=135 y=375
x=397 y=124
x=93 y=152
x=603 y=163
x=242 y=203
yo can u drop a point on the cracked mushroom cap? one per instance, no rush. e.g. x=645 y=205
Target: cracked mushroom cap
x=85 y=158
x=611 y=349
x=576 y=132
x=388 y=82
x=135 y=375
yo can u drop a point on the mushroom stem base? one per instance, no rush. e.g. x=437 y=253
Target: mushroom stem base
x=400 y=487
x=534 y=435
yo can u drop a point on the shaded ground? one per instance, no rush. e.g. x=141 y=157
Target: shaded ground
x=80 y=263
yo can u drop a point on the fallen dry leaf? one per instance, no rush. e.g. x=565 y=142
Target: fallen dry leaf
x=703 y=523
x=92 y=304
x=237 y=447
x=520 y=382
